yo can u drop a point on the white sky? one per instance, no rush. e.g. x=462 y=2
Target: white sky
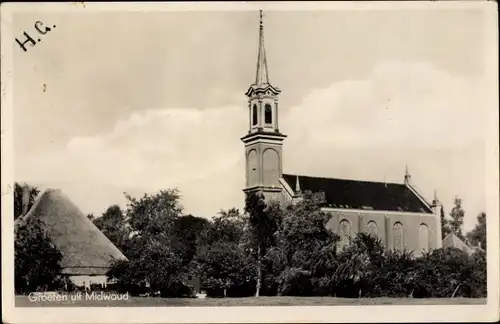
x=137 y=102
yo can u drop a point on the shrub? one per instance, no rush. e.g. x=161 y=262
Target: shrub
x=37 y=261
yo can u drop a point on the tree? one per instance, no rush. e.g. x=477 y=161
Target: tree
x=478 y=235
x=187 y=231
x=227 y=226
x=447 y=272
x=224 y=265
x=395 y=276
x=154 y=214
x=445 y=226
x=457 y=218
x=37 y=261
x=18 y=198
x=91 y=217
x=155 y=257
x=358 y=263
x=112 y=224
x=262 y=226
x=304 y=256
x=220 y=260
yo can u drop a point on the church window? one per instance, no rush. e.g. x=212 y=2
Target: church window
x=372 y=228
x=423 y=237
x=268 y=114
x=344 y=234
x=254 y=115
x=397 y=236
x=270 y=160
x=253 y=174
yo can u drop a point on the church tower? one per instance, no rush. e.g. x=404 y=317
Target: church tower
x=263 y=143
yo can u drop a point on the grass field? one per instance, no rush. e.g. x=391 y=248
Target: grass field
x=24 y=301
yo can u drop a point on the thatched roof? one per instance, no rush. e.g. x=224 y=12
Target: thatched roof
x=85 y=249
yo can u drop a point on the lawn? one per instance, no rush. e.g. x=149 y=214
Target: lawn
x=24 y=301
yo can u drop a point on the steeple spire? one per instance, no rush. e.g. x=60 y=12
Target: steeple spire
x=407 y=176
x=435 y=200
x=262 y=76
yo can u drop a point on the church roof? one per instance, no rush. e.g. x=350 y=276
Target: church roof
x=85 y=249
x=353 y=194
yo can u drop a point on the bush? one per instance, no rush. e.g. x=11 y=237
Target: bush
x=37 y=261
x=295 y=282
x=365 y=269
x=126 y=277
x=451 y=272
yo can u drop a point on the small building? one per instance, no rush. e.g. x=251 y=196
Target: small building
x=87 y=252
x=452 y=240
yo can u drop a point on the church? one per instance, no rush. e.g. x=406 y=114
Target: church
x=395 y=212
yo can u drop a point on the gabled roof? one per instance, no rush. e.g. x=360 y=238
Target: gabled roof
x=451 y=240
x=85 y=249
x=353 y=194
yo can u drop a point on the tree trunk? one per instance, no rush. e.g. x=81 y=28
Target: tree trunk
x=455 y=291
x=259 y=274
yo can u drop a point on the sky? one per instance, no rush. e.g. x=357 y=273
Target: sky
x=135 y=102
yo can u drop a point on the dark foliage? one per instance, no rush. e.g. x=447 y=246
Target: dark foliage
x=112 y=224
x=271 y=251
x=37 y=261
x=478 y=235
x=18 y=198
x=457 y=215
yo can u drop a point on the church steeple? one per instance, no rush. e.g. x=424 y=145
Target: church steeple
x=263 y=97
x=262 y=75
x=263 y=143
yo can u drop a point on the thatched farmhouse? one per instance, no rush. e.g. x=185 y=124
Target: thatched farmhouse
x=87 y=252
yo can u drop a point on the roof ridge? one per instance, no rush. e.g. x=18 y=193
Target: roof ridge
x=344 y=179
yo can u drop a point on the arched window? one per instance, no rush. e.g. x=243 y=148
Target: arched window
x=344 y=233
x=270 y=175
x=397 y=236
x=423 y=237
x=372 y=228
x=268 y=114
x=254 y=115
x=253 y=173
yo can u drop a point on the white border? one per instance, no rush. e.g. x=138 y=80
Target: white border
x=428 y=313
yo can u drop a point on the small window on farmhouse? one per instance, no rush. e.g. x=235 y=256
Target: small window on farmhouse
x=268 y=114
